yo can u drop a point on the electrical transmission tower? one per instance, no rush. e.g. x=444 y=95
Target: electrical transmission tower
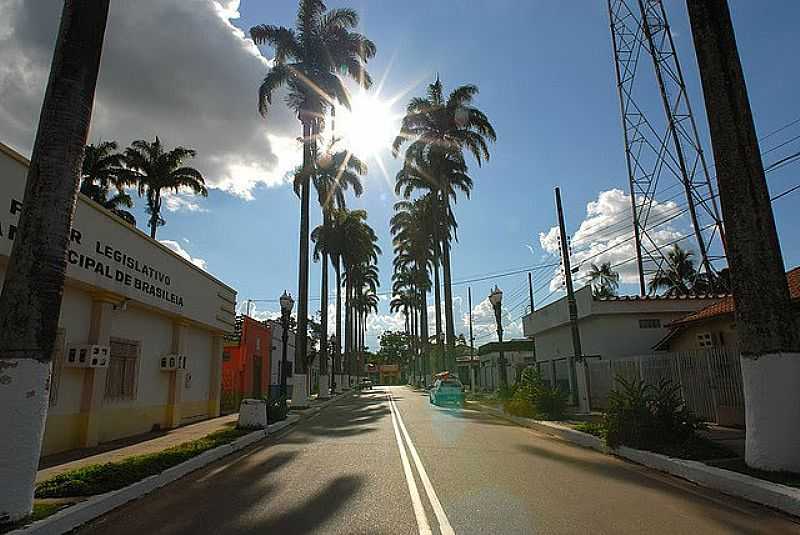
x=662 y=147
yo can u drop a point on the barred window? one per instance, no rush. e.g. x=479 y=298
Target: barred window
x=122 y=367
x=705 y=340
x=56 y=367
x=650 y=324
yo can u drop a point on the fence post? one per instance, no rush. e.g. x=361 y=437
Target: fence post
x=712 y=386
x=641 y=370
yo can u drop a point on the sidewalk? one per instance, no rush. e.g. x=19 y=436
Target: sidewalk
x=56 y=464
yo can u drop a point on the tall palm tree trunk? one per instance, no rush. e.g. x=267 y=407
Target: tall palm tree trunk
x=323 y=320
x=155 y=213
x=766 y=323
x=448 y=298
x=337 y=358
x=437 y=295
x=301 y=337
x=348 y=327
x=30 y=303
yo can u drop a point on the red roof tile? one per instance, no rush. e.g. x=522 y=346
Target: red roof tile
x=726 y=305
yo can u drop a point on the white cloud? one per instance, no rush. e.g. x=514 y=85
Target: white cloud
x=182 y=202
x=176 y=247
x=191 y=78
x=606 y=235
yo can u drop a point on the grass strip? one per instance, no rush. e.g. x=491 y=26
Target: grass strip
x=101 y=478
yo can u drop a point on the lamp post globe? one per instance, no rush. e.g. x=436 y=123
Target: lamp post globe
x=287 y=303
x=496 y=299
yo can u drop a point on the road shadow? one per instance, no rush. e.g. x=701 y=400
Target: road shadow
x=316 y=510
x=352 y=416
x=732 y=517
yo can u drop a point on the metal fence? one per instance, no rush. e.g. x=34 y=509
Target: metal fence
x=710 y=380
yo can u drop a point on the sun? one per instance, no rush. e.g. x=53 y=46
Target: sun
x=368 y=127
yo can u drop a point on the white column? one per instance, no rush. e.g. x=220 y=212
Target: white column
x=299 y=390
x=24 y=396
x=324 y=387
x=772 y=411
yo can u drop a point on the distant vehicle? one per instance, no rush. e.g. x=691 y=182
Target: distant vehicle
x=447 y=390
x=366 y=384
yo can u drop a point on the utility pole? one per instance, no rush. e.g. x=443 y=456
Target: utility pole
x=530 y=289
x=571 y=304
x=471 y=342
x=768 y=332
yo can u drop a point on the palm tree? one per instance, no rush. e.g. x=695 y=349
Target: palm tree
x=443 y=174
x=678 y=277
x=102 y=171
x=155 y=169
x=334 y=173
x=30 y=302
x=604 y=280
x=355 y=244
x=310 y=61
x=439 y=129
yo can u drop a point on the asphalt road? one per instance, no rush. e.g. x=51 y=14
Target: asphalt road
x=370 y=465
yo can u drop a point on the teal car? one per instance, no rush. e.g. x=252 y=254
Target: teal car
x=447 y=391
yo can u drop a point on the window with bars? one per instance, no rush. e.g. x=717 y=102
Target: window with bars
x=705 y=340
x=122 y=367
x=650 y=324
x=56 y=367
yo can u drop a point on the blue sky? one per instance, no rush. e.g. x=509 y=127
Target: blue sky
x=546 y=79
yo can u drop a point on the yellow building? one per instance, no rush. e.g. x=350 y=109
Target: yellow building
x=148 y=322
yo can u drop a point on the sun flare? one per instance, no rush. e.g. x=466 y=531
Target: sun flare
x=368 y=127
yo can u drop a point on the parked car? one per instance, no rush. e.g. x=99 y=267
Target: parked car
x=447 y=390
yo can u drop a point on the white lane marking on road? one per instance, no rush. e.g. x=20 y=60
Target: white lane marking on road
x=416 y=501
x=441 y=517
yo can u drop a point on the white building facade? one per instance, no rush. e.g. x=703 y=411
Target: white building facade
x=159 y=319
x=609 y=327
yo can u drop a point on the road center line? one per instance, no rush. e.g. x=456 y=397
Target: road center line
x=416 y=501
x=441 y=517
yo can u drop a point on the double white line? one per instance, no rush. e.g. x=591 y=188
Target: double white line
x=419 y=510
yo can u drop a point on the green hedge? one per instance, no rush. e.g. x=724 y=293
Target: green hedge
x=101 y=478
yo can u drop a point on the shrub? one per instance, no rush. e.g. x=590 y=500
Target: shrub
x=646 y=416
x=543 y=401
x=519 y=407
x=505 y=392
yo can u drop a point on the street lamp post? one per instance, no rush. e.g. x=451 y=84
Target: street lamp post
x=334 y=354
x=286 y=309
x=496 y=299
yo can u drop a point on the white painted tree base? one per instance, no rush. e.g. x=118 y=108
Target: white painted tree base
x=772 y=411
x=299 y=390
x=24 y=397
x=253 y=414
x=324 y=387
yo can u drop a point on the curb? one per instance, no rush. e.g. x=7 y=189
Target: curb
x=76 y=515
x=774 y=495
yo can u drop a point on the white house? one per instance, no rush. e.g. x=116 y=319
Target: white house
x=140 y=332
x=610 y=327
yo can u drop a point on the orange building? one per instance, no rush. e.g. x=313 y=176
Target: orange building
x=246 y=362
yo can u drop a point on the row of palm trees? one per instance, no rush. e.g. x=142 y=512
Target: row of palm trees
x=311 y=62
x=147 y=166
x=437 y=131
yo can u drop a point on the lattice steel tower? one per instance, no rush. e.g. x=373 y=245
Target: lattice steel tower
x=662 y=147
